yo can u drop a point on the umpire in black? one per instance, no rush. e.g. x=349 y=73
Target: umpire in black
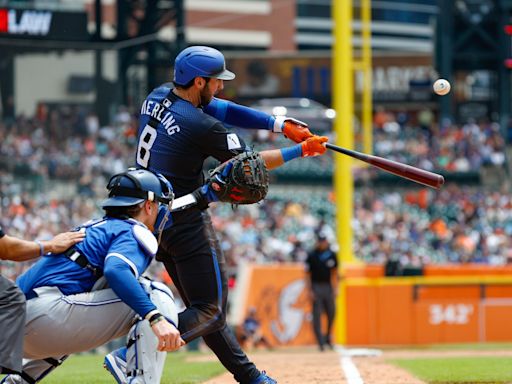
x=12 y=300
x=322 y=267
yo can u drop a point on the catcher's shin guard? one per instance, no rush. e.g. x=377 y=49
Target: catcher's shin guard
x=144 y=363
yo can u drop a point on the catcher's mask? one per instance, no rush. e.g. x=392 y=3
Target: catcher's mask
x=137 y=185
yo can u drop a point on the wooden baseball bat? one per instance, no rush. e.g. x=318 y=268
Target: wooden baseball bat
x=417 y=175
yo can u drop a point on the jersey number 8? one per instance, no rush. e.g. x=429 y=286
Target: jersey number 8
x=146 y=140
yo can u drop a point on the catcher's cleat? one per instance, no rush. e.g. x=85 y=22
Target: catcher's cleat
x=263 y=378
x=115 y=363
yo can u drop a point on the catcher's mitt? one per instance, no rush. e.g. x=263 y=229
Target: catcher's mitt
x=243 y=179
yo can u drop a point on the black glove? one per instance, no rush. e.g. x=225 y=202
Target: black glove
x=243 y=179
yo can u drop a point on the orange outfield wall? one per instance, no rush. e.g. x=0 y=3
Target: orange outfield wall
x=419 y=310
x=470 y=303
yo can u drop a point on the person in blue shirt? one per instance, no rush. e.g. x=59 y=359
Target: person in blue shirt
x=180 y=126
x=12 y=300
x=69 y=309
x=250 y=331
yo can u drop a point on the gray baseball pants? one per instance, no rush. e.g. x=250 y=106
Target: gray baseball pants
x=58 y=325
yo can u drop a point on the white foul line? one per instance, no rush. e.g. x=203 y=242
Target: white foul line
x=347 y=365
x=350 y=370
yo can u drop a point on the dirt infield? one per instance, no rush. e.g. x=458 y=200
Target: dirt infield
x=308 y=365
x=304 y=365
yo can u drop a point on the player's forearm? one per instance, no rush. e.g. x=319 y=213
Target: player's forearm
x=313 y=146
x=273 y=158
x=238 y=115
x=12 y=248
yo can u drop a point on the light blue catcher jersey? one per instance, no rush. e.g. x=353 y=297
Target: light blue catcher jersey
x=108 y=237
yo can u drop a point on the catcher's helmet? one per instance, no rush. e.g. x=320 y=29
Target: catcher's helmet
x=136 y=185
x=200 y=61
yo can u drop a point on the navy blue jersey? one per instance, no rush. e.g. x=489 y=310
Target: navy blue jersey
x=175 y=137
x=107 y=241
x=2 y=234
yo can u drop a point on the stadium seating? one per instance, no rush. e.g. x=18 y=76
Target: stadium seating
x=49 y=185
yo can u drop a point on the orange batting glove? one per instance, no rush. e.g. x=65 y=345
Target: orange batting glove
x=292 y=129
x=314 y=146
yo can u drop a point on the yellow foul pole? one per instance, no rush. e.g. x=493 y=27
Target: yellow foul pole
x=343 y=103
x=366 y=19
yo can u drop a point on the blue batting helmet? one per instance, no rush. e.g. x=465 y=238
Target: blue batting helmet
x=200 y=61
x=136 y=185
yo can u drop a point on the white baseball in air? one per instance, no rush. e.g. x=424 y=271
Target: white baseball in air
x=442 y=86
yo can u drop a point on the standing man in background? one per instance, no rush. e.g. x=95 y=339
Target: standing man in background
x=322 y=267
x=12 y=300
x=180 y=127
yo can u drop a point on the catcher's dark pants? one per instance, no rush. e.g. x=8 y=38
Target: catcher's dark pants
x=12 y=326
x=191 y=253
x=323 y=302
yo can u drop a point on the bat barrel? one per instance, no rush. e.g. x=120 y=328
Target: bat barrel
x=417 y=175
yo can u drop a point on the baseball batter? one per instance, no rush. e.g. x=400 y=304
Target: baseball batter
x=12 y=300
x=180 y=127
x=68 y=312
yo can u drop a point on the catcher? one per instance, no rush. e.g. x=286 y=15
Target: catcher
x=120 y=247
x=69 y=310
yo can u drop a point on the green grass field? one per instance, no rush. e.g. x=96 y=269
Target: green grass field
x=460 y=370
x=88 y=369
x=460 y=347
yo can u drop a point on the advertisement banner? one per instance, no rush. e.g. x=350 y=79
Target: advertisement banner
x=42 y=24
x=280 y=297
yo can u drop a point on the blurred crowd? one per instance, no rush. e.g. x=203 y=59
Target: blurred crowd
x=415 y=139
x=456 y=224
x=66 y=143
x=415 y=227
x=423 y=143
x=64 y=152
